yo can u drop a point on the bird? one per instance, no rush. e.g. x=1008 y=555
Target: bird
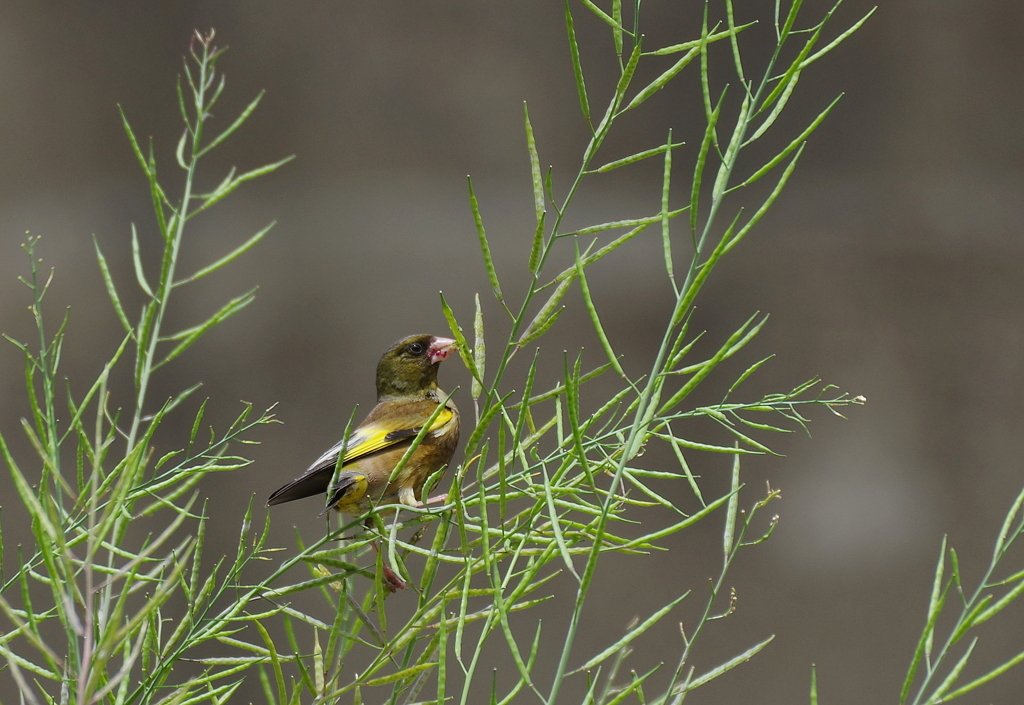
x=407 y=398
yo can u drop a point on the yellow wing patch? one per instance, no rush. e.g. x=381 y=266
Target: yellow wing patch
x=349 y=492
x=373 y=438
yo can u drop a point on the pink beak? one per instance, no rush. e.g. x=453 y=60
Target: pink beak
x=439 y=349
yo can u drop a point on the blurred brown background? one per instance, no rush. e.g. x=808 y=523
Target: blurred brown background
x=891 y=267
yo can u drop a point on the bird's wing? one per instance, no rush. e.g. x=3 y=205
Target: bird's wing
x=378 y=432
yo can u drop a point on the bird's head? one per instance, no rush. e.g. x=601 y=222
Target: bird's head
x=409 y=367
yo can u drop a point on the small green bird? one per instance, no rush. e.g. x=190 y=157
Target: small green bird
x=407 y=396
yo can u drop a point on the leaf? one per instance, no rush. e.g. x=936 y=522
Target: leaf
x=796 y=143
x=108 y=281
x=711 y=38
x=729 y=665
x=538 y=183
x=997 y=671
x=938 y=599
x=241 y=249
x=837 y=41
x=538 y=196
x=189 y=336
x=230 y=184
x=479 y=350
x=468 y=358
x=556 y=524
x=485 y=249
x=577 y=67
x=595 y=319
x=768 y=203
x=242 y=117
x=400 y=675
x=662 y=80
x=637 y=157
x=546 y=316
x=736 y=342
x=140 y=275
x=777 y=109
x=630 y=635
x=954 y=673
x=698 y=169
x=629 y=223
x=603 y=16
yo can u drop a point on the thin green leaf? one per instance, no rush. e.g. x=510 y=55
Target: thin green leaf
x=225 y=190
x=787 y=28
x=400 y=675
x=698 y=169
x=179 y=152
x=604 y=16
x=731 y=151
x=485 y=420
x=577 y=67
x=547 y=314
x=954 y=674
x=538 y=183
x=189 y=336
x=768 y=202
x=617 y=27
x=746 y=373
x=637 y=157
x=837 y=41
x=588 y=260
x=732 y=510
x=460 y=339
x=241 y=249
x=630 y=635
x=674 y=528
x=777 y=109
x=136 y=150
x=982 y=680
x=935 y=604
x=999 y=605
x=140 y=275
x=556 y=525
x=737 y=60
x=711 y=38
x=777 y=159
x=630 y=223
x=242 y=117
x=485 y=249
x=595 y=319
x=662 y=80
x=729 y=665
x=108 y=281
x=1006 y=529
x=14 y=660
x=627 y=74
x=736 y=341
x=538 y=246
x=479 y=349
x=666 y=242
x=690 y=479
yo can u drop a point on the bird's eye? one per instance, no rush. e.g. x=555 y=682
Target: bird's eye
x=416 y=349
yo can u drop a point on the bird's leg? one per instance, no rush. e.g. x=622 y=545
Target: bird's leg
x=408 y=497
x=391 y=579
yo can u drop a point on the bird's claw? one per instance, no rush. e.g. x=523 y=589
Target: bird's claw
x=392 y=582
x=410 y=501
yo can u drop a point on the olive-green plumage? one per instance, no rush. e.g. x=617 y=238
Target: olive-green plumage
x=407 y=398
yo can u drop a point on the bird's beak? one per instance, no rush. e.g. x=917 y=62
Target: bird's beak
x=439 y=349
